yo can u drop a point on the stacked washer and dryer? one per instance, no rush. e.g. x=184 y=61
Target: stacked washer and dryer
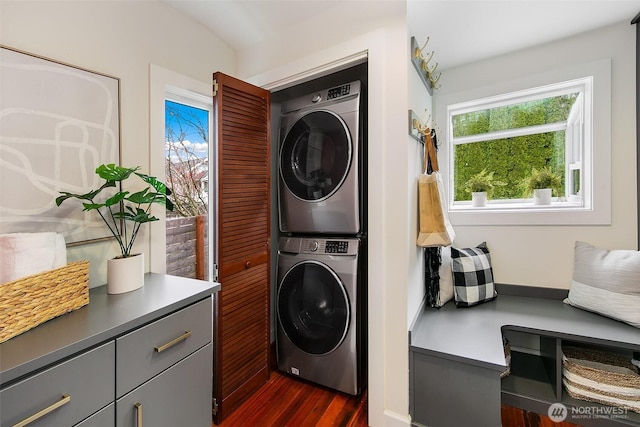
x=321 y=291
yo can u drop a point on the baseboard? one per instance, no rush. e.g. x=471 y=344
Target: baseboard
x=393 y=419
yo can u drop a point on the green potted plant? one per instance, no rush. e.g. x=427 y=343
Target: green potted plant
x=541 y=183
x=481 y=186
x=123 y=213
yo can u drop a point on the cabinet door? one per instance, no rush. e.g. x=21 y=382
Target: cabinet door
x=180 y=396
x=106 y=417
x=140 y=354
x=242 y=306
x=64 y=394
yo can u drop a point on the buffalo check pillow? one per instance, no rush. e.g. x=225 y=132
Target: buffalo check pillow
x=472 y=275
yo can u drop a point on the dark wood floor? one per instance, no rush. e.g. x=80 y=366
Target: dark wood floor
x=284 y=401
x=288 y=402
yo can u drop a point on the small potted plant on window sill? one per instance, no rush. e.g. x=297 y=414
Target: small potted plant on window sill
x=541 y=184
x=481 y=186
x=123 y=213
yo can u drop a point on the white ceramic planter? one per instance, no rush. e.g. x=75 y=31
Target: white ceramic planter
x=542 y=196
x=125 y=274
x=479 y=199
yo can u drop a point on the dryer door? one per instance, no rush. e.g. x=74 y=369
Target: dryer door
x=315 y=156
x=313 y=307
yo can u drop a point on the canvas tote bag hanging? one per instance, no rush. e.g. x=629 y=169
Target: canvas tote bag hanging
x=434 y=227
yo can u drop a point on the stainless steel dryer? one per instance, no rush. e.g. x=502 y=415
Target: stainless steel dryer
x=319 y=164
x=318 y=321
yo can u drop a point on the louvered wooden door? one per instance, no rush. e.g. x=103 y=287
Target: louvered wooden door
x=241 y=361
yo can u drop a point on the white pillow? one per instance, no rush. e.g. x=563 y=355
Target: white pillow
x=607 y=282
x=446 y=277
x=440 y=294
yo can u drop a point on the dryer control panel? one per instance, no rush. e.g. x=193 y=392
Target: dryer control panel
x=347 y=93
x=336 y=247
x=339 y=91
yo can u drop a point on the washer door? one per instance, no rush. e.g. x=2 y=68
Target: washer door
x=313 y=307
x=316 y=156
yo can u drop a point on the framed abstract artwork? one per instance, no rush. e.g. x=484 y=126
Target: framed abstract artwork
x=58 y=123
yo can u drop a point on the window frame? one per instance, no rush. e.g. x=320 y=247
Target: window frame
x=597 y=203
x=161 y=82
x=581 y=86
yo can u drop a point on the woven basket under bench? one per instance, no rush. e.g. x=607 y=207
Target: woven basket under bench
x=602 y=377
x=27 y=302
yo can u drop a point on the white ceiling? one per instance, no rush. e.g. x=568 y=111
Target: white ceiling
x=467 y=31
x=460 y=31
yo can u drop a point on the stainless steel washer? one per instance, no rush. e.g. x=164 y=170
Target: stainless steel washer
x=318 y=321
x=319 y=163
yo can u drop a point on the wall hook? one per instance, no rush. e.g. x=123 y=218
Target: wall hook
x=425 y=62
x=421 y=63
x=418 y=52
x=434 y=81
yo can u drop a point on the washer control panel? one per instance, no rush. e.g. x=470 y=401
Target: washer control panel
x=312 y=246
x=336 y=247
x=328 y=246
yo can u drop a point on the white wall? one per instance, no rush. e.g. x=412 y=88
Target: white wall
x=122 y=39
x=391 y=237
x=420 y=101
x=543 y=255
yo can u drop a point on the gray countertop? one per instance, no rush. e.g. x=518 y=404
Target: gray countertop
x=104 y=318
x=474 y=335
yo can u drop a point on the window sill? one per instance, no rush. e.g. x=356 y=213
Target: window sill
x=526 y=213
x=516 y=206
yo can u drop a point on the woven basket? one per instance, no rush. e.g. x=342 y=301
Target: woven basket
x=601 y=377
x=27 y=302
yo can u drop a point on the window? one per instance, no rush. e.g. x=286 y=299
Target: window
x=187 y=154
x=569 y=108
x=188 y=119
x=511 y=135
x=167 y=87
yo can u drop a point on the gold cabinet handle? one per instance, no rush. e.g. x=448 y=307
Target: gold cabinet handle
x=65 y=399
x=173 y=342
x=138 y=407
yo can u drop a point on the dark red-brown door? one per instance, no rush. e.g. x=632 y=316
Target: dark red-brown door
x=241 y=360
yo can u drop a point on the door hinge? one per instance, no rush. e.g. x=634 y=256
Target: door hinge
x=214 y=406
x=215 y=272
x=215 y=87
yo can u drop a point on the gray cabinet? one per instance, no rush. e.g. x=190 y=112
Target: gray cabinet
x=145 y=352
x=536 y=381
x=163 y=383
x=106 y=417
x=456 y=357
x=141 y=356
x=64 y=394
x=452 y=393
x=180 y=396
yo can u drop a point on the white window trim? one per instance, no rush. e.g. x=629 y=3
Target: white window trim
x=162 y=81
x=599 y=212
x=510 y=133
x=582 y=86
